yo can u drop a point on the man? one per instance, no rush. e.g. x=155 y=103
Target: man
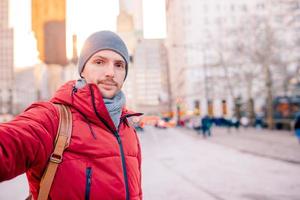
x=103 y=160
x=206 y=125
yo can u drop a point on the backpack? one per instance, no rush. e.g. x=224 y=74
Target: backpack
x=62 y=141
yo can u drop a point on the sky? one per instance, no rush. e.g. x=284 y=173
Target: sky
x=154 y=24
x=25 y=53
x=83 y=18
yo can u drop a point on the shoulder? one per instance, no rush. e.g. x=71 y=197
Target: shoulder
x=43 y=106
x=40 y=111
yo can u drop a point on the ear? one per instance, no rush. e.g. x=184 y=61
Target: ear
x=82 y=74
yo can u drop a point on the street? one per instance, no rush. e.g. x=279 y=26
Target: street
x=237 y=165
x=178 y=164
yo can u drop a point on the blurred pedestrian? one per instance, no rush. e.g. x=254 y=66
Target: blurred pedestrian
x=236 y=123
x=245 y=121
x=206 y=124
x=258 y=123
x=103 y=158
x=228 y=123
x=297 y=127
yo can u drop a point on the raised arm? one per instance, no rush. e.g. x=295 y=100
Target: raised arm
x=27 y=141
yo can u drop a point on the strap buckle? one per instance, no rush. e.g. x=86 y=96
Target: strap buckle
x=56 y=158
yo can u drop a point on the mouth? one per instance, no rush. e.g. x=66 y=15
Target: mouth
x=107 y=83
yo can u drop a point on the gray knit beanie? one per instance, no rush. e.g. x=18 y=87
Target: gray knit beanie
x=102 y=40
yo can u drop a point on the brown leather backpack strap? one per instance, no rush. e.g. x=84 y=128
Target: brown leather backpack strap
x=61 y=143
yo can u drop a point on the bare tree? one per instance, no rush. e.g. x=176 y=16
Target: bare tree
x=258 y=46
x=239 y=72
x=255 y=44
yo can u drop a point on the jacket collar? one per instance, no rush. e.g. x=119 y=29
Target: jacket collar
x=89 y=102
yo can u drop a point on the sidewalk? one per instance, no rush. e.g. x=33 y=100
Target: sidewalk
x=278 y=145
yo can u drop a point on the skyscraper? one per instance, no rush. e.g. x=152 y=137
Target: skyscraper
x=49 y=26
x=6 y=59
x=129 y=23
x=129 y=27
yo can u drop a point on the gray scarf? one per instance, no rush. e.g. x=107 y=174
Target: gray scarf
x=114 y=107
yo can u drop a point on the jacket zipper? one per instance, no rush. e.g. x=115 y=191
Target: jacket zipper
x=88 y=183
x=123 y=164
x=117 y=136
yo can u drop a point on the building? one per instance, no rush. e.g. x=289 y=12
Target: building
x=130 y=28
x=287 y=20
x=27 y=90
x=49 y=26
x=6 y=59
x=197 y=53
x=130 y=19
x=31 y=84
x=150 y=72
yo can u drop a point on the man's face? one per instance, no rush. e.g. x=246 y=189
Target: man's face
x=107 y=69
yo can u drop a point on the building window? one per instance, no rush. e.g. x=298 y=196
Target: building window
x=205 y=20
x=295 y=5
x=188 y=8
x=205 y=8
x=218 y=21
x=244 y=8
x=260 y=6
x=233 y=19
x=232 y=7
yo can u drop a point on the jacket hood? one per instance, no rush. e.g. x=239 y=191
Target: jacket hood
x=88 y=101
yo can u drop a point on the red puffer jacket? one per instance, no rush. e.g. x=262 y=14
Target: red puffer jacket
x=100 y=162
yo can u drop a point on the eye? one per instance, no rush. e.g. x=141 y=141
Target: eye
x=120 y=65
x=99 y=61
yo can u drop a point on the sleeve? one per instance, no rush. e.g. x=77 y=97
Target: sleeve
x=27 y=141
x=140 y=163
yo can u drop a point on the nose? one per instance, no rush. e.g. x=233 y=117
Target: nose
x=110 y=72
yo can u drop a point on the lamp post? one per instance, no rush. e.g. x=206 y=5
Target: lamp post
x=178 y=114
x=206 y=88
x=169 y=89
